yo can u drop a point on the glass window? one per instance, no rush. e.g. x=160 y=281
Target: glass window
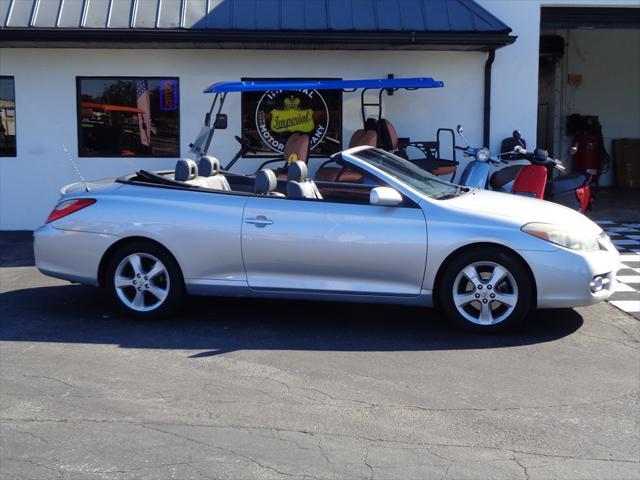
x=407 y=172
x=7 y=117
x=270 y=118
x=126 y=117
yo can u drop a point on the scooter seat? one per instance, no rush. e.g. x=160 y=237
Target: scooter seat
x=504 y=176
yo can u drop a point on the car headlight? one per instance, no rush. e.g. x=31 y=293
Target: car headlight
x=561 y=236
x=483 y=155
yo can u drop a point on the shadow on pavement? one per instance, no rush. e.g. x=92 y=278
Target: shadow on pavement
x=210 y=326
x=16 y=249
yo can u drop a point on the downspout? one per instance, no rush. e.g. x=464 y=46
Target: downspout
x=487 y=97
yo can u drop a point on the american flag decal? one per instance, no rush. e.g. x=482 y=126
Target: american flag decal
x=144 y=118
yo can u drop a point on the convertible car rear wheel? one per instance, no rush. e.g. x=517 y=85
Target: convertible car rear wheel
x=145 y=280
x=487 y=289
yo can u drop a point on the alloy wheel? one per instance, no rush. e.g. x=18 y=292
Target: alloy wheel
x=142 y=282
x=485 y=293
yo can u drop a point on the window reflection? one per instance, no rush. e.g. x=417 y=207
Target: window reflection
x=125 y=117
x=7 y=117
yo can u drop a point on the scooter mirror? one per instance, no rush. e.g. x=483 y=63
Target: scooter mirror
x=460 y=130
x=519 y=149
x=516 y=134
x=573 y=150
x=540 y=154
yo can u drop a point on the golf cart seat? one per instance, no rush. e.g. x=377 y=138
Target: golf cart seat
x=297 y=144
x=365 y=136
x=299 y=185
x=387 y=135
x=295 y=148
x=504 y=176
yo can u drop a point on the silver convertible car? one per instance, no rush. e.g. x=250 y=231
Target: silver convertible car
x=388 y=232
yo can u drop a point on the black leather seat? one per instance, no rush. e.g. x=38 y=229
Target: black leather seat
x=504 y=176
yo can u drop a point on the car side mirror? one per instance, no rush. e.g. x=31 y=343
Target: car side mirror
x=385 y=197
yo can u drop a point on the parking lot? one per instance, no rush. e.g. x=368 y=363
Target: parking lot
x=275 y=389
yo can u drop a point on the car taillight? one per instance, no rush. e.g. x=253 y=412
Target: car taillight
x=69 y=206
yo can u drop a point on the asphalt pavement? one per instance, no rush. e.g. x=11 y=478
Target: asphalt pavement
x=274 y=389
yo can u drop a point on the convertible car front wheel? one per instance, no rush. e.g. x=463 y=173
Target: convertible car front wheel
x=145 y=280
x=486 y=290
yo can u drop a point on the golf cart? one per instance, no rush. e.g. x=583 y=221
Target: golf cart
x=376 y=131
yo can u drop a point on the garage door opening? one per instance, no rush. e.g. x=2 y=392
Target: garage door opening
x=589 y=91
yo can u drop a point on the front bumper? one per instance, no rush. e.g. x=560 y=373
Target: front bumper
x=70 y=255
x=563 y=277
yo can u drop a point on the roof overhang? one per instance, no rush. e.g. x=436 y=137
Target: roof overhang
x=250 y=39
x=552 y=18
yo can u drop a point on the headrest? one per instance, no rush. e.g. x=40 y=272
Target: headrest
x=371 y=124
x=266 y=181
x=364 y=137
x=298 y=144
x=298 y=171
x=186 y=169
x=208 y=166
x=388 y=135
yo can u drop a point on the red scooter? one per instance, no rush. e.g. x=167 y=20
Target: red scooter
x=571 y=190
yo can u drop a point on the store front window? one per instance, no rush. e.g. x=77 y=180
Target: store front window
x=270 y=118
x=126 y=117
x=7 y=117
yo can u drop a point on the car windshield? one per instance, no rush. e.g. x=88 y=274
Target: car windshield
x=408 y=173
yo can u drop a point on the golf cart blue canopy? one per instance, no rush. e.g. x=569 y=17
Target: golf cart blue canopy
x=374 y=83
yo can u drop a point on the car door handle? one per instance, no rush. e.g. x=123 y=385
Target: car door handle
x=260 y=221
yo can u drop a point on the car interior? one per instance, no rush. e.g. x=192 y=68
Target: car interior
x=334 y=180
x=207 y=176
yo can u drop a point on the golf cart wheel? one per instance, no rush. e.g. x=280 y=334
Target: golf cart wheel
x=145 y=280
x=486 y=290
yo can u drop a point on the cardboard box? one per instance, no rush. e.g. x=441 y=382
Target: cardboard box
x=626 y=155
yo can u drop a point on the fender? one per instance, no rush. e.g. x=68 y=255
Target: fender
x=475 y=174
x=531 y=181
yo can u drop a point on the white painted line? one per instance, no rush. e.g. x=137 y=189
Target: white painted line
x=605 y=222
x=634 y=237
x=623 y=287
x=627 y=305
x=630 y=257
x=628 y=278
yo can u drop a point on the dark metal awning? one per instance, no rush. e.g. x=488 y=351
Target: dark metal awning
x=291 y=24
x=589 y=17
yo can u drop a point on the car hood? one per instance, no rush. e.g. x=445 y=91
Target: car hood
x=523 y=209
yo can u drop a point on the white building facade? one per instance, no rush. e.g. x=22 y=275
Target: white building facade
x=45 y=76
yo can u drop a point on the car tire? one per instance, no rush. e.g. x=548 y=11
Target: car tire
x=145 y=280
x=486 y=289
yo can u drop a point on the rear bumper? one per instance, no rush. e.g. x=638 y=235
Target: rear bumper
x=563 y=278
x=70 y=255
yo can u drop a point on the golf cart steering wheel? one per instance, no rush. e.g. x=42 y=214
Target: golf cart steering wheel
x=245 y=144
